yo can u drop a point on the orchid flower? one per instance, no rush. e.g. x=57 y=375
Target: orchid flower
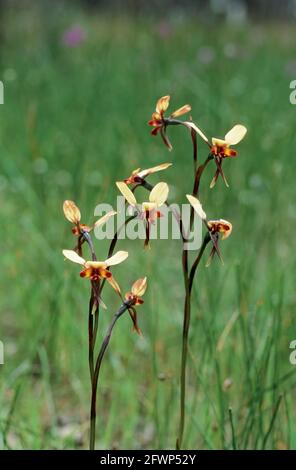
x=137 y=291
x=148 y=211
x=158 y=120
x=139 y=175
x=72 y=213
x=216 y=228
x=97 y=270
x=221 y=149
x=134 y=298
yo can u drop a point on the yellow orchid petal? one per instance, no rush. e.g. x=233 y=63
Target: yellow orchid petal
x=162 y=104
x=196 y=206
x=119 y=257
x=154 y=169
x=104 y=219
x=74 y=257
x=71 y=211
x=183 y=110
x=159 y=193
x=236 y=134
x=148 y=206
x=219 y=142
x=95 y=264
x=114 y=284
x=139 y=287
x=127 y=193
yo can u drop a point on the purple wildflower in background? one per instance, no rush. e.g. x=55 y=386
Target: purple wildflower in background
x=74 y=36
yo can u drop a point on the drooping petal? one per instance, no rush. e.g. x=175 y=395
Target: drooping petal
x=154 y=169
x=133 y=315
x=220 y=169
x=104 y=219
x=118 y=258
x=156 y=130
x=114 y=284
x=159 y=193
x=71 y=211
x=183 y=110
x=236 y=134
x=127 y=193
x=139 y=287
x=196 y=206
x=214 y=180
x=96 y=292
x=164 y=137
x=162 y=104
x=74 y=257
x=213 y=251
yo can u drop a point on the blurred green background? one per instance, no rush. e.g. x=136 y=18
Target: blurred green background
x=80 y=85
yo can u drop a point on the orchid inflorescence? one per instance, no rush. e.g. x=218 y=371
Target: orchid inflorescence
x=219 y=150
x=97 y=272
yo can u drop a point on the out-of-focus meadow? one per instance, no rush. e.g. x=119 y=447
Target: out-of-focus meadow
x=74 y=122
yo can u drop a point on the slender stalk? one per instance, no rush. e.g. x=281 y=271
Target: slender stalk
x=90 y=339
x=92 y=301
x=186 y=324
x=194 y=267
x=188 y=282
x=93 y=330
x=125 y=306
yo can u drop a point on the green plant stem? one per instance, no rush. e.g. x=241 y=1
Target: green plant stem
x=125 y=306
x=188 y=279
x=195 y=264
x=188 y=282
x=90 y=339
x=186 y=323
x=93 y=323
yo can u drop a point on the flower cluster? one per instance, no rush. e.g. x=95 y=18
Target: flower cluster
x=97 y=271
x=219 y=148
